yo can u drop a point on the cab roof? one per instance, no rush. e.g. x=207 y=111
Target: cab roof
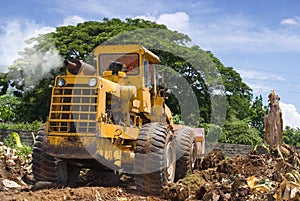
x=128 y=48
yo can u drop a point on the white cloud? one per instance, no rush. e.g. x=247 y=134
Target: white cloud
x=259 y=88
x=146 y=17
x=175 y=21
x=178 y=21
x=72 y=20
x=295 y=21
x=257 y=75
x=290 y=115
x=12 y=37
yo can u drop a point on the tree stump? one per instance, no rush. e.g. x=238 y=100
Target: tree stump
x=273 y=122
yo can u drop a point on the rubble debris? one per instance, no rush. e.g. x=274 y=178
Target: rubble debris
x=15 y=170
x=254 y=177
x=259 y=185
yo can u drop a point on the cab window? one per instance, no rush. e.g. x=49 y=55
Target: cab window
x=146 y=73
x=130 y=62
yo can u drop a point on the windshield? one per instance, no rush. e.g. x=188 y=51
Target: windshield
x=130 y=62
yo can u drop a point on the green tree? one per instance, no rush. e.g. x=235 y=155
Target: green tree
x=257 y=114
x=291 y=136
x=238 y=93
x=240 y=109
x=8 y=105
x=35 y=103
x=239 y=132
x=4 y=83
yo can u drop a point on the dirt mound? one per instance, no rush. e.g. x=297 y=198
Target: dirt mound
x=271 y=176
x=267 y=176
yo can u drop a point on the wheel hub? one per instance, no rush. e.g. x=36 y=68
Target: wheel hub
x=170 y=163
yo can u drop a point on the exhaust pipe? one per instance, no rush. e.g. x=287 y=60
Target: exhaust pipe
x=75 y=66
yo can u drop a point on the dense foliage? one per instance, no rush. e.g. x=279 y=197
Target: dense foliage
x=291 y=136
x=33 y=126
x=218 y=90
x=239 y=131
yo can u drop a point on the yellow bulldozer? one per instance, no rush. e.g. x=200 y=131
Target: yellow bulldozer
x=114 y=116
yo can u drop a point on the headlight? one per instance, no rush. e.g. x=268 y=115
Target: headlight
x=61 y=82
x=92 y=82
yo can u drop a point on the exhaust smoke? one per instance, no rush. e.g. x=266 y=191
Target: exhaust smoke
x=34 y=65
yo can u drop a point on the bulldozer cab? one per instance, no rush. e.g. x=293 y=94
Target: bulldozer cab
x=127 y=64
x=130 y=65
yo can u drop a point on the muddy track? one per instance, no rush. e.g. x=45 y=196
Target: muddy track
x=92 y=186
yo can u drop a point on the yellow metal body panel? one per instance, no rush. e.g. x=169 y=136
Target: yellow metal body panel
x=72 y=146
x=84 y=147
x=118 y=132
x=109 y=151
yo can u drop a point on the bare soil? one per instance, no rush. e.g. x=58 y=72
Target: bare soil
x=217 y=178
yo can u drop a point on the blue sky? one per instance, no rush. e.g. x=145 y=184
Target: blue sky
x=259 y=39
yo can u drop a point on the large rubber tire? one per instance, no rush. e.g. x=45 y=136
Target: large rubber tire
x=49 y=169
x=186 y=152
x=155 y=158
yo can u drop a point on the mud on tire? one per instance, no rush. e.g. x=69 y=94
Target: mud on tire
x=186 y=152
x=50 y=169
x=155 y=157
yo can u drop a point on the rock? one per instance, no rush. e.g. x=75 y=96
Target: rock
x=10 y=184
x=14 y=157
x=10 y=162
